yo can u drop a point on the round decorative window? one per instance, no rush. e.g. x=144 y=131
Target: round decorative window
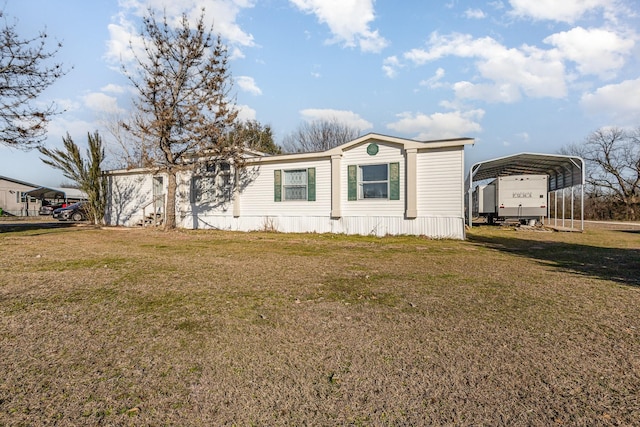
x=372 y=149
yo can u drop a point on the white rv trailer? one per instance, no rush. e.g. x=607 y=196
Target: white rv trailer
x=521 y=197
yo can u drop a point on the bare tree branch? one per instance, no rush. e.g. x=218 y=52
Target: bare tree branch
x=24 y=75
x=319 y=135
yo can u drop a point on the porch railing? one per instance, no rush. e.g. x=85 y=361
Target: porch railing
x=156 y=216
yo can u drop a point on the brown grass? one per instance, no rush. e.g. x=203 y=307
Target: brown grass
x=141 y=327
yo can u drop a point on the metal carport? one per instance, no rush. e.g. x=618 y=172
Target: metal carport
x=563 y=171
x=47 y=193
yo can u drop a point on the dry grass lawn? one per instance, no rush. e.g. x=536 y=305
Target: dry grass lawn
x=143 y=327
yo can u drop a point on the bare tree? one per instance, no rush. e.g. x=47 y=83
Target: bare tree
x=24 y=74
x=183 y=100
x=319 y=135
x=87 y=173
x=612 y=157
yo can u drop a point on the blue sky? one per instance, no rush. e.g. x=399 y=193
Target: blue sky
x=516 y=75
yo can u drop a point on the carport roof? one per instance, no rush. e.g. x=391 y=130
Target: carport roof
x=563 y=171
x=56 y=193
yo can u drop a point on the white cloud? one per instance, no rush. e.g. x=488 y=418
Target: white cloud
x=474 y=14
x=390 y=66
x=595 y=51
x=558 y=10
x=509 y=72
x=492 y=92
x=113 y=88
x=222 y=14
x=60 y=126
x=620 y=102
x=118 y=47
x=99 y=102
x=248 y=84
x=246 y=113
x=452 y=124
x=67 y=105
x=348 y=20
x=349 y=118
x=434 y=81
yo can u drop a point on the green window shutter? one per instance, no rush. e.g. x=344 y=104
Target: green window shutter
x=277 y=185
x=352 y=182
x=394 y=181
x=311 y=184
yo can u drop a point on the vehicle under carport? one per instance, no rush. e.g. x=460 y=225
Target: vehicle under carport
x=564 y=172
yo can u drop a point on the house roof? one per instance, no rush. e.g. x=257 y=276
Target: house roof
x=17 y=181
x=407 y=143
x=563 y=171
x=370 y=137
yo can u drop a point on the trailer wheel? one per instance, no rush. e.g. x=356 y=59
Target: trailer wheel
x=490 y=219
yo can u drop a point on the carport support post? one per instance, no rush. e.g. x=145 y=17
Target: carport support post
x=555 y=208
x=572 y=197
x=582 y=207
x=469 y=205
x=563 y=214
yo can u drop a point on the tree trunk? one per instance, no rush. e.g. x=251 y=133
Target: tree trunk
x=170 y=211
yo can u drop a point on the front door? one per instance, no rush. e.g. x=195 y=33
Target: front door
x=158 y=194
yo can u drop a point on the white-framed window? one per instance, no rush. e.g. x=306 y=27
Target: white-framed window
x=203 y=189
x=294 y=184
x=373 y=181
x=212 y=185
x=22 y=197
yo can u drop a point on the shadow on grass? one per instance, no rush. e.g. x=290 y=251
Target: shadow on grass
x=630 y=231
x=618 y=265
x=19 y=226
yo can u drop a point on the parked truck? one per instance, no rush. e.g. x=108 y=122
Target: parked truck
x=521 y=197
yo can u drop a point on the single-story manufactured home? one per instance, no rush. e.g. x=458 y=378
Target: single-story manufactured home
x=374 y=185
x=14 y=199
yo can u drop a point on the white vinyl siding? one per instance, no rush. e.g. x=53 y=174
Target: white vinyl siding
x=129 y=194
x=440 y=182
x=257 y=194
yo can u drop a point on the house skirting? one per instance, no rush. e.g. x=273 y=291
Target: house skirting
x=433 y=227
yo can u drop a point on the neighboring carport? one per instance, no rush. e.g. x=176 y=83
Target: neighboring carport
x=51 y=193
x=47 y=193
x=563 y=172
